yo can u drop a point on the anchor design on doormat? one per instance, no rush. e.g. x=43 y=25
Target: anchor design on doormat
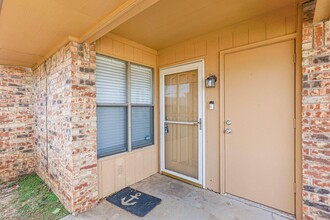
x=128 y=202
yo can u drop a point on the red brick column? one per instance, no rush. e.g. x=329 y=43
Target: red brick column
x=83 y=111
x=65 y=125
x=316 y=115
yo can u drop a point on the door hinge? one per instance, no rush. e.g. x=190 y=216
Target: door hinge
x=294 y=58
x=294 y=187
x=294 y=123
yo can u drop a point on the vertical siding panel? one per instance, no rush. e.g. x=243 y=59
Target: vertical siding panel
x=200 y=48
x=162 y=59
x=107 y=178
x=290 y=24
x=241 y=37
x=137 y=55
x=147 y=163
x=129 y=52
x=257 y=32
x=118 y=48
x=146 y=58
x=226 y=41
x=213 y=152
x=179 y=54
x=139 y=166
x=120 y=173
x=130 y=171
x=100 y=182
x=106 y=45
x=276 y=28
x=171 y=56
x=189 y=50
x=98 y=45
x=154 y=62
x=155 y=160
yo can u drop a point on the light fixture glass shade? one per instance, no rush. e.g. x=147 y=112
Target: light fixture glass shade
x=210 y=81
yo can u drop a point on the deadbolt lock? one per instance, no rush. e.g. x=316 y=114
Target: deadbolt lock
x=228 y=131
x=228 y=122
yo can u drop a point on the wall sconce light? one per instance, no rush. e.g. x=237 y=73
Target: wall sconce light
x=210 y=81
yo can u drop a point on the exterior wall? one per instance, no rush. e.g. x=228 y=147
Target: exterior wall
x=65 y=128
x=316 y=115
x=16 y=123
x=119 y=171
x=83 y=122
x=53 y=130
x=275 y=24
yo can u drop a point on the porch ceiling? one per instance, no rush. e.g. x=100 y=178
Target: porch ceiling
x=172 y=21
x=31 y=30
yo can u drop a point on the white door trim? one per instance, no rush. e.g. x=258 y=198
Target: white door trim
x=196 y=65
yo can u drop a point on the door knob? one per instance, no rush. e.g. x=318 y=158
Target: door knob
x=228 y=122
x=228 y=131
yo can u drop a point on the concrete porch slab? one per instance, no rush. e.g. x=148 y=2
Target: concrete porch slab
x=180 y=201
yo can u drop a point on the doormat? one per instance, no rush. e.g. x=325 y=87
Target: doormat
x=133 y=201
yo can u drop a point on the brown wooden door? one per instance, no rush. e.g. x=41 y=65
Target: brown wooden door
x=259 y=110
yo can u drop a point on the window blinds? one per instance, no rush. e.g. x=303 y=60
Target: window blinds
x=141 y=85
x=111 y=99
x=142 y=126
x=142 y=109
x=111 y=130
x=111 y=80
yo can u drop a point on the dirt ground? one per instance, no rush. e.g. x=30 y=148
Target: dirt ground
x=8 y=199
x=29 y=198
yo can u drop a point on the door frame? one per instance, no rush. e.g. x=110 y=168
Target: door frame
x=198 y=65
x=297 y=90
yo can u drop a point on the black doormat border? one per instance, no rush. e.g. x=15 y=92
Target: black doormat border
x=134 y=201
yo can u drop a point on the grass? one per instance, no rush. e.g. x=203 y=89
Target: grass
x=37 y=201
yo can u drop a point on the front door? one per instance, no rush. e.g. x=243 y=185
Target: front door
x=181 y=122
x=259 y=122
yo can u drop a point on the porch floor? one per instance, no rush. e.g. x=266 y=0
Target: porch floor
x=180 y=201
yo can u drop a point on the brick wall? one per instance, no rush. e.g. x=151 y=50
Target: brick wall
x=84 y=144
x=16 y=123
x=65 y=128
x=316 y=116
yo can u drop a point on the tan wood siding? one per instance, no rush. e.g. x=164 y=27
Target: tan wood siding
x=118 y=171
x=124 y=49
x=275 y=24
x=264 y=27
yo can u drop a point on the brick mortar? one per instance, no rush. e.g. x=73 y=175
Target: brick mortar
x=16 y=126
x=315 y=115
x=70 y=166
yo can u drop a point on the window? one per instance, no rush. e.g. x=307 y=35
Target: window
x=142 y=106
x=124 y=97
